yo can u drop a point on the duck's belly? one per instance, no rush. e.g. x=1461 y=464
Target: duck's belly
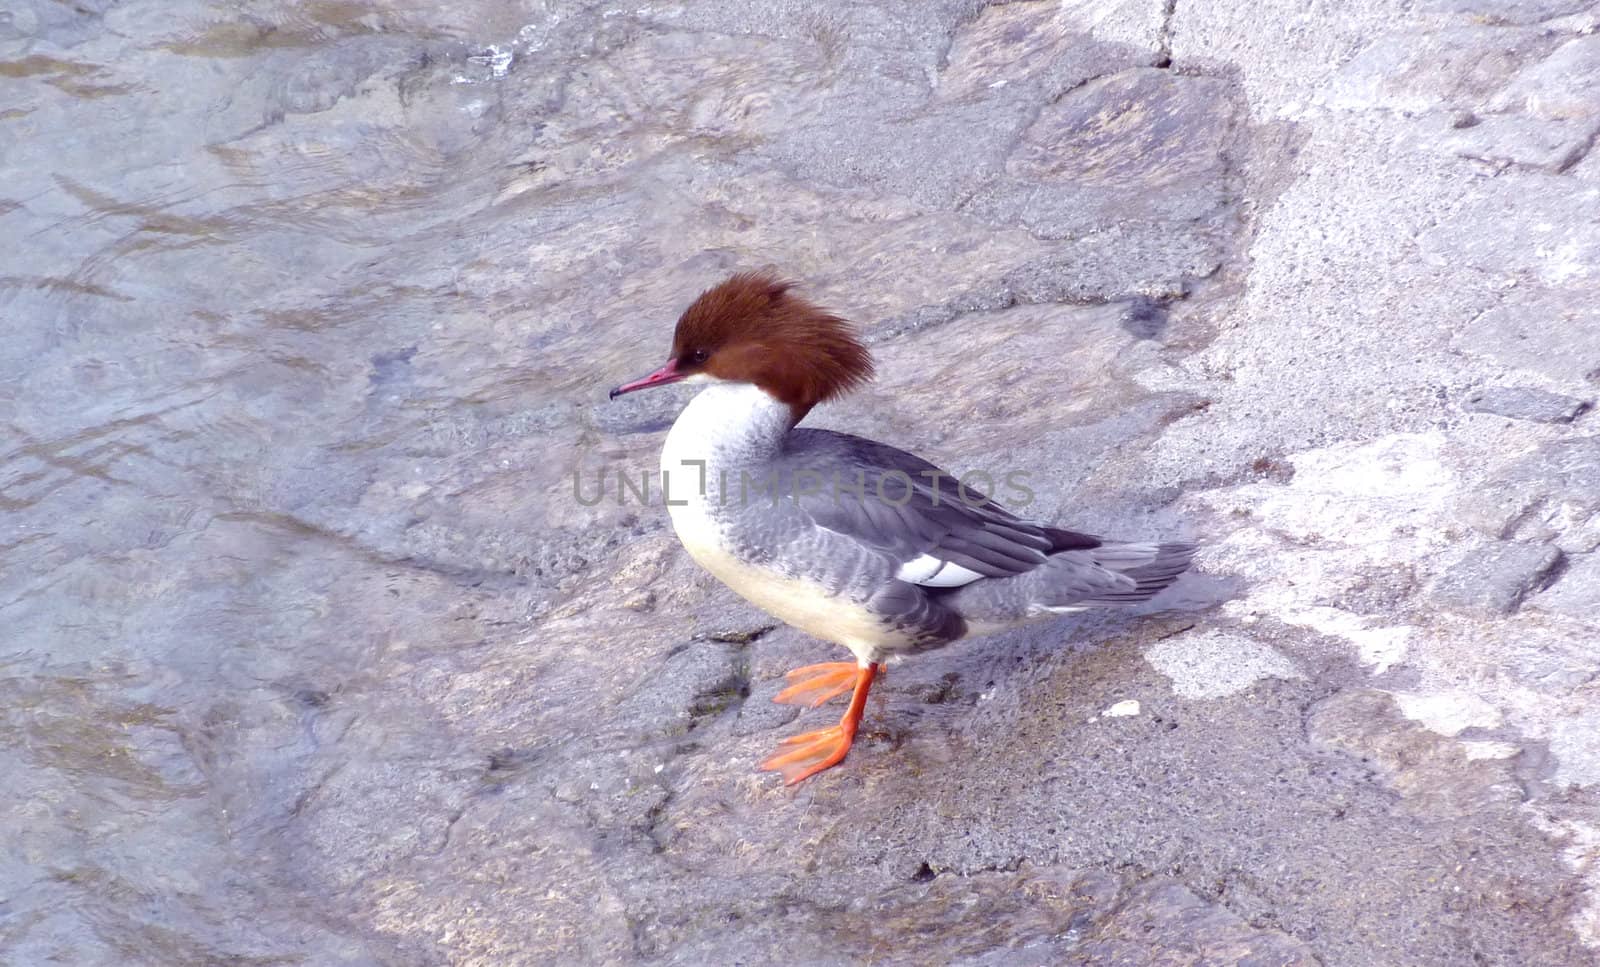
x=796 y=601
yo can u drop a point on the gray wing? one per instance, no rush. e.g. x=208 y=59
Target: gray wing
x=911 y=512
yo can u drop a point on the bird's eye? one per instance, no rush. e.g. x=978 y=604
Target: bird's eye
x=700 y=355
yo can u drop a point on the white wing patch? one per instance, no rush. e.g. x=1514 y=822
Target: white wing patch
x=930 y=572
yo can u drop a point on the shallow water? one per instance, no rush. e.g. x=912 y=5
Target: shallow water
x=237 y=298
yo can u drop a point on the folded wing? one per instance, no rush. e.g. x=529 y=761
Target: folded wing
x=937 y=534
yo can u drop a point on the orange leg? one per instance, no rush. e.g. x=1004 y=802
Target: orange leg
x=813 y=752
x=815 y=684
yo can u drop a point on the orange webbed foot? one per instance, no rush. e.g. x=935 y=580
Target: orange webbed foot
x=804 y=755
x=815 y=684
x=811 y=753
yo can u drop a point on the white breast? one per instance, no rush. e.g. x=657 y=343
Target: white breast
x=727 y=425
x=722 y=430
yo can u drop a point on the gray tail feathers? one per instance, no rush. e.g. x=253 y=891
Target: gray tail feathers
x=1151 y=566
x=1070 y=580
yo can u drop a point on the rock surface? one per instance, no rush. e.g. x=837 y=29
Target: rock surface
x=1522 y=403
x=1494 y=579
x=341 y=631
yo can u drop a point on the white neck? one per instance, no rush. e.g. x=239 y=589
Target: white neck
x=727 y=425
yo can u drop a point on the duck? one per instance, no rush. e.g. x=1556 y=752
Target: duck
x=847 y=539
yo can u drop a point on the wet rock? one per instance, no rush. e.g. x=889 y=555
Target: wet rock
x=542 y=861
x=1145 y=318
x=1434 y=775
x=1147 y=930
x=633 y=413
x=1524 y=403
x=392 y=366
x=759 y=713
x=699 y=680
x=232 y=478
x=1034 y=915
x=1036 y=44
x=1085 y=270
x=1495 y=578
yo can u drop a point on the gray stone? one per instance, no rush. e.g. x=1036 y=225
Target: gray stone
x=1524 y=403
x=1499 y=11
x=1144 y=143
x=1550 y=332
x=1456 y=69
x=1038 y=914
x=633 y=413
x=1141 y=933
x=1495 y=578
x=1501 y=139
x=1562 y=85
x=1215 y=664
x=1588 y=169
x=1527 y=226
x=1576 y=593
x=1366 y=724
x=1576 y=748
x=698 y=680
x=1549 y=495
x=1042 y=46
x=759 y=713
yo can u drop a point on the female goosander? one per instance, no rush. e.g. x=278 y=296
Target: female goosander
x=850 y=540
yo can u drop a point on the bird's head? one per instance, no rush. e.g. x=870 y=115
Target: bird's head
x=751 y=328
